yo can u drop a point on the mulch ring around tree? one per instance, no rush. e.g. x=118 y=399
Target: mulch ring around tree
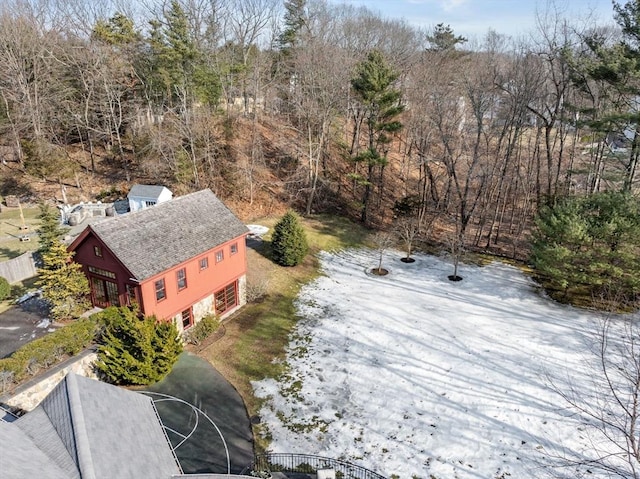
x=377 y=271
x=408 y=260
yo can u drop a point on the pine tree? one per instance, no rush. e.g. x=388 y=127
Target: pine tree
x=590 y=245
x=443 y=39
x=373 y=86
x=136 y=351
x=118 y=30
x=294 y=20
x=289 y=241
x=50 y=229
x=63 y=283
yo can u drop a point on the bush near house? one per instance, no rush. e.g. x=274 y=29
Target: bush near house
x=134 y=351
x=289 y=241
x=5 y=288
x=47 y=351
x=197 y=333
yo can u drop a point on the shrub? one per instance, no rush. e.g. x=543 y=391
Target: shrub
x=64 y=285
x=590 y=246
x=5 y=289
x=202 y=329
x=48 y=350
x=288 y=241
x=135 y=351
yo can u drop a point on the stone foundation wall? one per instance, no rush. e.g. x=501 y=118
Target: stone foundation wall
x=30 y=394
x=242 y=290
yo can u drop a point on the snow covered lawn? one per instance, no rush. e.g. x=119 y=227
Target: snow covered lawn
x=413 y=375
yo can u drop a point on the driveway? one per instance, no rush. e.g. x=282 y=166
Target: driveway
x=18 y=327
x=198 y=443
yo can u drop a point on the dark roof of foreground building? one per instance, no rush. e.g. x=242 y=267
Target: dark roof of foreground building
x=85 y=429
x=152 y=240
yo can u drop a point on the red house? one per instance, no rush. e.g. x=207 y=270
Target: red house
x=179 y=260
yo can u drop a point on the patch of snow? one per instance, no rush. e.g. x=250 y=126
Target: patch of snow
x=44 y=323
x=257 y=230
x=414 y=375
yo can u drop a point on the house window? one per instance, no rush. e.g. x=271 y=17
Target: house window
x=187 y=318
x=161 y=292
x=226 y=298
x=97 y=250
x=101 y=272
x=104 y=293
x=181 y=277
x=234 y=248
x=204 y=263
x=219 y=256
x=149 y=203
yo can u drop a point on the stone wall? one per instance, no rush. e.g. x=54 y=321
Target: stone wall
x=30 y=394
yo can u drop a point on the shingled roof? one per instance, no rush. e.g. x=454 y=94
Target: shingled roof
x=153 y=240
x=146 y=191
x=88 y=429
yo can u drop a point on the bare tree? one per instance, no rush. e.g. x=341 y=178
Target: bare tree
x=609 y=408
x=407 y=230
x=382 y=240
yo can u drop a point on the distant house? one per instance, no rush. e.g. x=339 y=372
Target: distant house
x=180 y=260
x=88 y=429
x=144 y=196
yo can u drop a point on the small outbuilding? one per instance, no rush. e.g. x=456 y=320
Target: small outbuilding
x=145 y=196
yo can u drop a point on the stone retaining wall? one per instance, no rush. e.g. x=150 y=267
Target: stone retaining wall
x=29 y=395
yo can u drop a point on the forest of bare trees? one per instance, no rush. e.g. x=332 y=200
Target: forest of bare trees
x=326 y=107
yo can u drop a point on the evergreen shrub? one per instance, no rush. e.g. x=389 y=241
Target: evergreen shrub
x=135 y=351
x=289 y=241
x=5 y=289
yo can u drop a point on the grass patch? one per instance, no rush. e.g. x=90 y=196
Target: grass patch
x=256 y=338
x=10 y=232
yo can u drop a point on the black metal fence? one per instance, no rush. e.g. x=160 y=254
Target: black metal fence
x=298 y=464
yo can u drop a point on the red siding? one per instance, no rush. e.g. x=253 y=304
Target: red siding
x=200 y=283
x=85 y=255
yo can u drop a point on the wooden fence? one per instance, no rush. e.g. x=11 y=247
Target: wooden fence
x=18 y=269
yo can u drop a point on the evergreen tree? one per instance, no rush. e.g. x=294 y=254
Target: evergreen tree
x=373 y=86
x=50 y=229
x=590 y=245
x=294 y=20
x=615 y=68
x=64 y=285
x=443 y=39
x=289 y=241
x=136 y=351
x=118 y=30
x=178 y=73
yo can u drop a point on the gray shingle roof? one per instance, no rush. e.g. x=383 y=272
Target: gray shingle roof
x=152 y=240
x=21 y=458
x=146 y=191
x=88 y=429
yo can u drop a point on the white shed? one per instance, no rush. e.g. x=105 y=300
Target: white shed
x=144 y=196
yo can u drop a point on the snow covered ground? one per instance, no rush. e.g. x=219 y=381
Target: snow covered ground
x=413 y=375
